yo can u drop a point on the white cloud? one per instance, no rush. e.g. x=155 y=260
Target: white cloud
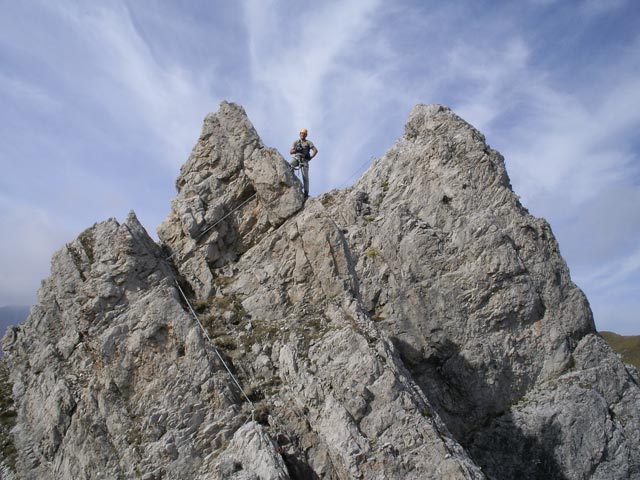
x=30 y=236
x=565 y=149
x=494 y=73
x=294 y=51
x=616 y=272
x=92 y=107
x=314 y=68
x=114 y=102
x=122 y=76
x=27 y=92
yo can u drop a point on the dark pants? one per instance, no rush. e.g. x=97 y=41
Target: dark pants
x=298 y=161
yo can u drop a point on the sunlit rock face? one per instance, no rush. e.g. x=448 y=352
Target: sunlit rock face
x=419 y=324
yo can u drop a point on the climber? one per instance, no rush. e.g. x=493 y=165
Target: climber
x=303 y=151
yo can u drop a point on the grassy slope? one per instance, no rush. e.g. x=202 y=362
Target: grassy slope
x=628 y=347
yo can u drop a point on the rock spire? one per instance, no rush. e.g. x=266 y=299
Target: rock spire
x=419 y=324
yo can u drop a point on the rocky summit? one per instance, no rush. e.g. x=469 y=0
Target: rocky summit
x=420 y=324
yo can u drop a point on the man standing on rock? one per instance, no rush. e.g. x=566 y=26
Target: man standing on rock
x=303 y=151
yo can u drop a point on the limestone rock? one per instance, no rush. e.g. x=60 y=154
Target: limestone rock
x=251 y=454
x=471 y=288
x=111 y=376
x=492 y=304
x=232 y=182
x=419 y=324
x=582 y=424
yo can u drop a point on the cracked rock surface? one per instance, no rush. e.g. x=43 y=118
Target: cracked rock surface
x=419 y=324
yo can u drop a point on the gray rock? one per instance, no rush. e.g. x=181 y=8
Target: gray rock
x=232 y=182
x=420 y=324
x=474 y=293
x=109 y=365
x=251 y=454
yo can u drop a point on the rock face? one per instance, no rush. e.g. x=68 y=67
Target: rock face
x=228 y=168
x=420 y=324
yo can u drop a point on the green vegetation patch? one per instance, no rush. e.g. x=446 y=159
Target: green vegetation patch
x=627 y=346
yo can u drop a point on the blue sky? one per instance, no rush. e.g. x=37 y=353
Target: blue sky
x=101 y=102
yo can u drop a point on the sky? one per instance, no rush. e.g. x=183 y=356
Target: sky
x=102 y=102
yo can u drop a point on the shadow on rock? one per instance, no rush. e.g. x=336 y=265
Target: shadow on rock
x=298 y=470
x=505 y=451
x=478 y=417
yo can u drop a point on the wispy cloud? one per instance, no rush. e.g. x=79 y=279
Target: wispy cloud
x=574 y=145
x=616 y=272
x=98 y=125
x=30 y=236
x=312 y=67
x=294 y=51
x=27 y=93
x=493 y=74
x=125 y=80
x=105 y=100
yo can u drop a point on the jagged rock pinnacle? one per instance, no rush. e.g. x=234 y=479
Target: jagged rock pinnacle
x=228 y=168
x=419 y=324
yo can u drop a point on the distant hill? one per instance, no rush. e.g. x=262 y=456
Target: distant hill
x=627 y=347
x=12 y=315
